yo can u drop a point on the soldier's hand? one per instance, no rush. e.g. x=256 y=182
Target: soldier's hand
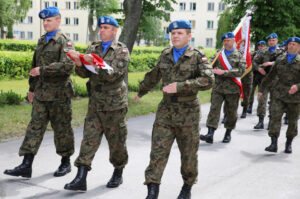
x=35 y=72
x=88 y=58
x=218 y=71
x=30 y=96
x=171 y=88
x=293 y=89
x=259 y=94
x=75 y=57
x=136 y=98
x=267 y=64
x=262 y=71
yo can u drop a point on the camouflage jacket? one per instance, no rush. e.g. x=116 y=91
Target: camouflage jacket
x=224 y=83
x=265 y=56
x=192 y=73
x=288 y=74
x=54 y=81
x=107 y=89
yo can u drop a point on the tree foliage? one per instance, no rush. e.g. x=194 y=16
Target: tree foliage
x=224 y=25
x=270 y=16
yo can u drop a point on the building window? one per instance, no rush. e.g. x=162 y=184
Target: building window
x=46 y=4
x=76 y=5
x=211 y=6
x=193 y=22
x=31 y=4
x=209 y=42
x=22 y=35
x=75 y=37
x=192 y=6
x=29 y=35
x=22 y=21
x=54 y=3
x=29 y=19
x=210 y=24
x=221 y=6
x=67 y=20
x=68 y=5
x=181 y=6
x=76 y=21
x=122 y=5
x=68 y=35
x=192 y=41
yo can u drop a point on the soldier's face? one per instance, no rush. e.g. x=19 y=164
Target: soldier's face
x=228 y=43
x=293 y=47
x=261 y=46
x=51 y=24
x=107 y=32
x=272 y=42
x=180 y=38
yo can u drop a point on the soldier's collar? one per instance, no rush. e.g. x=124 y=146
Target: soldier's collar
x=56 y=36
x=113 y=45
x=189 y=51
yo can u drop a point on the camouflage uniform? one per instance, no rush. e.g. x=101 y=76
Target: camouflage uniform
x=247 y=82
x=256 y=78
x=107 y=106
x=178 y=114
x=262 y=57
x=52 y=90
x=288 y=74
x=225 y=89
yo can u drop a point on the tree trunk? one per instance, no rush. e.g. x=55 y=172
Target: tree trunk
x=93 y=33
x=133 y=12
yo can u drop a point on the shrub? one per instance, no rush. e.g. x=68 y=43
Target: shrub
x=80 y=90
x=10 y=98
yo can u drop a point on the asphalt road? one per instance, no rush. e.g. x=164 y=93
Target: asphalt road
x=238 y=170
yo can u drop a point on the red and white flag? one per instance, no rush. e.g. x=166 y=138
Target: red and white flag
x=242 y=39
x=98 y=61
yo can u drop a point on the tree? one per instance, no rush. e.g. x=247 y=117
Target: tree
x=270 y=16
x=12 y=11
x=96 y=9
x=224 y=25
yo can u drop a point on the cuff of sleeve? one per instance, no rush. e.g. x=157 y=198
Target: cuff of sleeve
x=41 y=70
x=180 y=87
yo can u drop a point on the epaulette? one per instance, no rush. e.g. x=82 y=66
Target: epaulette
x=96 y=43
x=166 y=50
x=122 y=44
x=199 y=51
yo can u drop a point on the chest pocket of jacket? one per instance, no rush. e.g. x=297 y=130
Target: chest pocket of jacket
x=50 y=56
x=186 y=71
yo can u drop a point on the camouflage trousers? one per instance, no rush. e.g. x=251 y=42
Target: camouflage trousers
x=247 y=89
x=163 y=136
x=277 y=109
x=113 y=125
x=255 y=83
x=59 y=113
x=230 y=108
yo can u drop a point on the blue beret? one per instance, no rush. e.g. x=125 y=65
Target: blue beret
x=261 y=43
x=107 y=20
x=272 y=36
x=294 y=39
x=227 y=35
x=179 y=24
x=49 y=12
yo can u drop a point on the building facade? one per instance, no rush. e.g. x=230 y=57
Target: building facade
x=203 y=14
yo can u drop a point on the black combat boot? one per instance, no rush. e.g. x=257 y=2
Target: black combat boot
x=288 y=145
x=116 y=179
x=285 y=120
x=224 y=119
x=273 y=147
x=209 y=137
x=227 y=136
x=260 y=124
x=24 y=169
x=185 y=192
x=64 y=167
x=153 y=191
x=244 y=113
x=79 y=182
x=249 y=110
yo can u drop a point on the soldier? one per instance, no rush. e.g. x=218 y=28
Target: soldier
x=107 y=105
x=263 y=63
x=286 y=96
x=256 y=77
x=184 y=71
x=50 y=93
x=247 y=82
x=229 y=65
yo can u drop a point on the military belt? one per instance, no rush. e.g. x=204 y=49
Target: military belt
x=100 y=88
x=179 y=98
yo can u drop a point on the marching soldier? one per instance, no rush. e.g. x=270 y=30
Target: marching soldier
x=286 y=96
x=256 y=77
x=50 y=93
x=227 y=68
x=263 y=63
x=184 y=71
x=107 y=105
x=247 y=82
